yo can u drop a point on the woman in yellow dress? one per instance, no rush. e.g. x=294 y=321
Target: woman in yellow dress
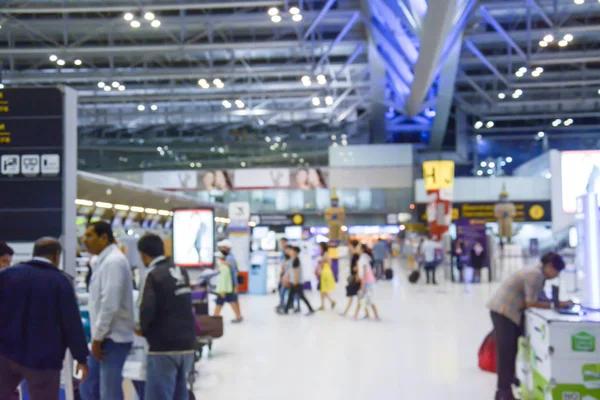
x=326 y=278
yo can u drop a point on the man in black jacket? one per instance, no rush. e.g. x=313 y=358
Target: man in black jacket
x=39 y=320
x=167 y=322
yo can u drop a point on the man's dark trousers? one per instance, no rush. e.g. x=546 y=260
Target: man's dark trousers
x=507 y=334
x=41 y=384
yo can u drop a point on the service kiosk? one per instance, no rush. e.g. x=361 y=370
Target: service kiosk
x=559 y=356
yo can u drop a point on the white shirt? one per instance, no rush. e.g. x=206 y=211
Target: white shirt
x=111 y=297
x=364 y=262
x=428 y=249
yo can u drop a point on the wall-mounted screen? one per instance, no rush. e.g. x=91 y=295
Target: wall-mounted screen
x=193 y=237
x=580 y=174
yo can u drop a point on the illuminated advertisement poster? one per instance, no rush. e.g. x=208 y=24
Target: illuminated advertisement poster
x=439 y=183
x=580 y=175
x=193 y=237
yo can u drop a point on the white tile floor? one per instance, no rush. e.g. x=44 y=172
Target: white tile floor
x=425 y=348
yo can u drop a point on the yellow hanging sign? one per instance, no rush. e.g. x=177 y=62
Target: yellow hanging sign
x=438 y=174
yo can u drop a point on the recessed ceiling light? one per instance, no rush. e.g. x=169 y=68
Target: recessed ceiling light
x=294 y=10
x=542 y=43
x=128 y=16
x=568 y=37
x=198 y=165
x=518 y=92
x=155 y=23
x=107 y=88
x=121 y=88
x=101 y=84
x=273 y=11
x=77 y=62
x=492 y=164
x=563 y=43
x=239 y=104
x=479 y=172
x=276 y=19
x=478 y=125
x=135 y=24
x=478 y=137
x=490 y=124
x=579 y=1
x=141 y=107
x=267 y=139
x=483 y=164
x=115 y=84
x=329 y=100
x=549 y=38
x=535 y=74
x=509 y=159
x=541 y=134
x=149 y=16
x=60 y=62
x=192 y=165
x=501 y=96
x=243 y=164
x=297 y=18
x=53 y=58
x=1 y=86
x=154 y=107
x=568 y=122
x=556 y=122
x=226 y=103
x=316 y=101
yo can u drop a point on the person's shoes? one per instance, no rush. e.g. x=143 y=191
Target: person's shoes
x=333 y=305
x=282 y=311
x=322 y=308
x=297 y=311
x=237 y=321
x=435 y=283
x=310 y=313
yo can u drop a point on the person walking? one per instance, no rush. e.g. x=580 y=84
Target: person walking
x=477 y=257
x=224 y=283
x=428 y=249
x=381 y=252
x=295 y=278
x=367 y=281
x=524 y=289
x=167 y=322
x=458 y=251
x=353 y=285
x=326 y=277
x=40 y=320
x=111 y=315
x=225 y=248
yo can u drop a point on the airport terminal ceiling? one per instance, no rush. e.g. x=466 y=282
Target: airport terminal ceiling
x=165 y=84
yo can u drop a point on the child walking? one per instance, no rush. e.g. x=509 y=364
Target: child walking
x=367 y=281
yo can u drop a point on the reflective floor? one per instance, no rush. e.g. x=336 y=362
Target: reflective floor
x=424 y=348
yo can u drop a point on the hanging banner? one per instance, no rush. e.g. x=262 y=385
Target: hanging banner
x=439 y=183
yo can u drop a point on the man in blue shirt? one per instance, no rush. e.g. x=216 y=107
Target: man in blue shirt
x=380 y=253
x=225 y=248
x=40 y=320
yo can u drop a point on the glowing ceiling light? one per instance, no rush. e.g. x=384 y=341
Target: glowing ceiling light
x=121 y=88
x=501 y=96
x=535 y=74
x=243 y=164
x=297 y=18
x=490 y=124
x=543 y=43
x=77 y=62
x=60 y=62
x=483 y=164
x=316 y=101
x=549 y=38
x=151 y=211
x=276 y=19
x=107 y=88
x=579 y=2
x=53 y=58
x=478 y=125
x=226 y=103
x=492 y=164
x=518 y=92
x=479 y=172
x=81 y=202
x=239 y=104
x=149 y=16
x=519 y=74
x=273 y=11
x=155 y=24
x=556 y=122
x=563 y=43
x=128 y=16
x=154 y=107
x=568 y=37
x=115 y=84
x=333 y=137
x=541 y=134
x=101 y=204
x=101 y=84
x=141 y=107
x=267 y=139
x=137 y=209
x=568 y=122
x=135 y=24
x=294 y=10
x=121 y=207
x=509 y=159
x=329 y=100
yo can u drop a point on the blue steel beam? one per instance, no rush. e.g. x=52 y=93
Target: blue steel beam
x=445 y=95
x=436 y=27
x=473 y=49
x=540 y=11
x=359 y=49
x=349 y=25
x=319 y=18
x=496 y=25
x=400 y=10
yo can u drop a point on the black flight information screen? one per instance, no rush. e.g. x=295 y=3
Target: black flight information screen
x=31 y=154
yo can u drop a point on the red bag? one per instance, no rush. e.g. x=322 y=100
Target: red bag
x=487 y=353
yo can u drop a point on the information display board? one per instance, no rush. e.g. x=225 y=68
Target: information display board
x=32 y=163
x=193 y=237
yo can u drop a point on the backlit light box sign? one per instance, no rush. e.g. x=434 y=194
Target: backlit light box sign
x=580 y=175
x=193 y=237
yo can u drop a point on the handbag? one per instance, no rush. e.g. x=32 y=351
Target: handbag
x=487 y=354
x=135 y=364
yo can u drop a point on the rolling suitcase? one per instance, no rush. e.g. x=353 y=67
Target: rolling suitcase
x=389 y=274
x=414 y=276
x=211 y=326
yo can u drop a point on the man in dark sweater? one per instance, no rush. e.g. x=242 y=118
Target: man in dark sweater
x=40 y=320
x=167 y=322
